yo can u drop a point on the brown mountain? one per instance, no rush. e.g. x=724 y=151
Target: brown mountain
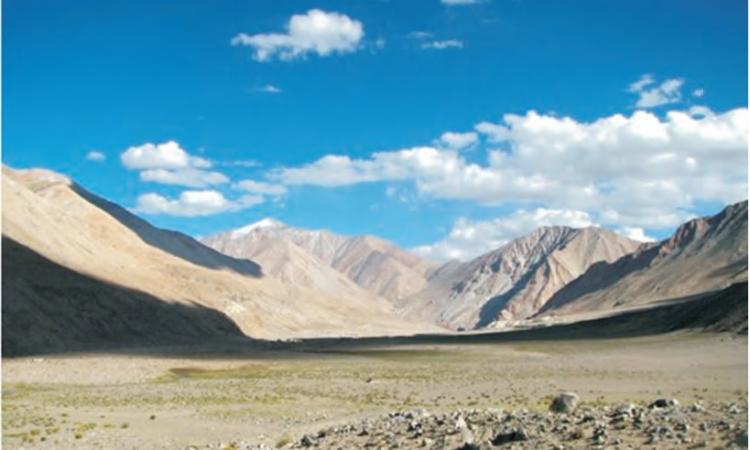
x=514 y=281
x=704 y=254
x=375 y=265
x=69 y=248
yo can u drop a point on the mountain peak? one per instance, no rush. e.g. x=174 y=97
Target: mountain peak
x=264 y=223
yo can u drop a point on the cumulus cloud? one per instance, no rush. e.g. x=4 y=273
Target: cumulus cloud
x=457 y=141
x=189 y=177
x=640 y=170
x=699 y=92
x=168 y=155
x=651 y=95
x=443 y=45
x=260 y=187
x=468 y=239
x=193 y=203
x=95 y=156
x=319 y=32
x=168 y=163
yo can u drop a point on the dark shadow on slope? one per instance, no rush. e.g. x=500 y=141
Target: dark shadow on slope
x=602 y=275
x=721 y=311
x=491 y=308
x=172 y=242
x=48 y=308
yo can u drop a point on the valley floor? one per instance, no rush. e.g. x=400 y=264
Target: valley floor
x=175 y=399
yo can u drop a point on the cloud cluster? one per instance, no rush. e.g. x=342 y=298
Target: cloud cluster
x=457 y=141
x=260 y=188
x=319 y=32
x=468 y=238
x=637 y=171
x=168 y=163
x=651 y=95
x=193 y=203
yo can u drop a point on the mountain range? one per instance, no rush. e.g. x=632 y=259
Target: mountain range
x=81 y=272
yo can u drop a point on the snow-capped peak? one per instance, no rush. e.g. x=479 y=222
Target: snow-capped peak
x=261 y=224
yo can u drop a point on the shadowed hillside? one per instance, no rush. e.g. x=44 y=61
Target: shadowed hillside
x=48 y=308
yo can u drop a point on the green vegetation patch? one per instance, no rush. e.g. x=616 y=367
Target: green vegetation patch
x=199 y=373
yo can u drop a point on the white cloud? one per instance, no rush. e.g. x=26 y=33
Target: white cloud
x=650 y=97
x=635 y=233
x=638 y=171
x=270 y=89
x=699 y=110
x=193 y=203
x=457 y=141
x=95 y=156
x=241 y=163
x=443 y=45
x=316 y=31
x=189 y=177
x=469 y=239
x=260 y=187
x=699 y=92
x=459 y=2
x=168 y=155
x=168 y=163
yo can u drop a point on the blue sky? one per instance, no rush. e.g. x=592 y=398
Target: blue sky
x=388 y=77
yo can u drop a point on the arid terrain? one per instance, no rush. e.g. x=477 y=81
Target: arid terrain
x=213 y=397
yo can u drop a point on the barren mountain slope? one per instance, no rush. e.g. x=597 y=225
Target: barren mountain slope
x=704 y=254
x=55 y=219
x=377 y=266
x=289 y=263
x=514 y=281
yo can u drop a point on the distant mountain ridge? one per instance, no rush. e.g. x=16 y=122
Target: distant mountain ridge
x=375 y=265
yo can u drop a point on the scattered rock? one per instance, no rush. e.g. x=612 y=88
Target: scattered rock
x=564 y=403
x=510 y=435
x=664 y=403
x=741 y=439
x=623 y=426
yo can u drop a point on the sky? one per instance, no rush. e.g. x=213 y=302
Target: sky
x=446 y=126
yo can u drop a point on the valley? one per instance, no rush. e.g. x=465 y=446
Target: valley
x=244 y=397
x=118 y=334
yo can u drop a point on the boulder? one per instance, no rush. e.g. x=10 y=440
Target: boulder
x=564 y=403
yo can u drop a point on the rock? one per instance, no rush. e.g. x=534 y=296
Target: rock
x=626 y=408
x=516 y=434
x=468 y=446
x=564 y=403
x=664 y=403
x=307 y=441
x=741 y=439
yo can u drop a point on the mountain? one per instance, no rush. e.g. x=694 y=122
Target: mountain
x=704 y=254
x=68 y=248
x=375 y=265
x=514 y=281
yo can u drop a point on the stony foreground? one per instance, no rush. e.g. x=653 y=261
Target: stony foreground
x=663 y=424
